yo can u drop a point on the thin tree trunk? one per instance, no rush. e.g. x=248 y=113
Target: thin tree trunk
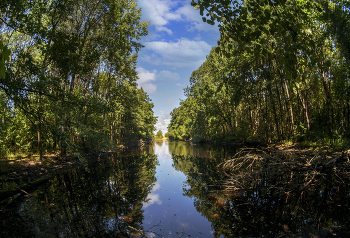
x=106 y=98
x=274 y=111
x=325 y=82
x=63 y=120
x=54 y=145
x=112 y=133
x=281 y=110
x=39 y=129
x=266 y=121
x=290 y=106
x=348 y=113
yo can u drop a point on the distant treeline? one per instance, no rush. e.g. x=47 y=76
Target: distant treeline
x=68 y=77
x=280 y=72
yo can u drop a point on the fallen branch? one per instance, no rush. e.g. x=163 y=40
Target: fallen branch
x=23 y=188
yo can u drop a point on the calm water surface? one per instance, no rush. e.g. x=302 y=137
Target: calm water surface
x=171 y=189
x=166 y=204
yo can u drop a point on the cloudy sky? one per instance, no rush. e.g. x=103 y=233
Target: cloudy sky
x=177 y=44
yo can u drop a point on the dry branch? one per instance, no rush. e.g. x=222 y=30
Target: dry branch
x=270 y=170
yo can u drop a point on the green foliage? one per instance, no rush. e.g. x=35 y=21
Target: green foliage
x=71 y=82
x=159 y=134
x=280 y=72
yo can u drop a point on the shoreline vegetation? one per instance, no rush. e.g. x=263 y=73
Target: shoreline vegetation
x=278 y=79
x=68 y=85
x=161 y=139
x=22 y=174
x=279 y=74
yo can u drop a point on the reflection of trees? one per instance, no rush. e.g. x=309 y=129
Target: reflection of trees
x=271 y=195
x=104 y=202
x=201 y=150
x=159 y=143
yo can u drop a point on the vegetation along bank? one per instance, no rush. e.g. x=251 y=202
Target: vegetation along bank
x=279 y=73
x=68 y=82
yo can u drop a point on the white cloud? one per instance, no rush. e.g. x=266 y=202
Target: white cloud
x=193 y=16
x=151 y=199
x=162 y=150
x=160 y=12
x=202 y=26
x=179 y=84
x=198 y=37
x=165 y=75
x=145 y=75
x=156 y=187
x=183 y=53
x=163 y=28
x=145 y=79
x=163 y=122
x=149 y=88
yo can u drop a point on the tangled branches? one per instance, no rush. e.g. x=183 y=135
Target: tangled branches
x=279 y=172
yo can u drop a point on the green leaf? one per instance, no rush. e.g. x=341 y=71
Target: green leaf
x=210 y=22
x=6 y=54
x=2 y=69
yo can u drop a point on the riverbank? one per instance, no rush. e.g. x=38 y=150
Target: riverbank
x=21 y=174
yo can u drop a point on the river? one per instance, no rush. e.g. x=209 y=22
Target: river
x=173 y=189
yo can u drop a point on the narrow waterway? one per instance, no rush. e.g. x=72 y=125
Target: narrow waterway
x=175 y=189
x=166 y=206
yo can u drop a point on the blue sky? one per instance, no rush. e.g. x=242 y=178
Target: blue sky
x=177 y=44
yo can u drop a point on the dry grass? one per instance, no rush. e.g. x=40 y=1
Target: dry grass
x=283 y=169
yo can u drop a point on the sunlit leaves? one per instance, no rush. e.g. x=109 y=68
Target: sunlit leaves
x=73 y=71
x=277 y=57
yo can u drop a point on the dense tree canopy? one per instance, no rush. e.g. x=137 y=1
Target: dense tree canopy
x=70 y=82
x=159 y=134
x=279 y=72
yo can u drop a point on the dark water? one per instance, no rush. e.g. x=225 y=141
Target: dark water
x=172 y=189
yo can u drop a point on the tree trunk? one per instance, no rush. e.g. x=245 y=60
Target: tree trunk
x=281 y=110
x=54 y=145
x=273 y=104
x=265 y=120
x=106 y=98
x=39 y=129
x=290 y=107
x=112 y=133
x=326 y=88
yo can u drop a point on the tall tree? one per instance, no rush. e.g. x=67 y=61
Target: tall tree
x=72 y=73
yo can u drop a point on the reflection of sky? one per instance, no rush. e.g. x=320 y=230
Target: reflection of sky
x=152 y=197
x=156 y=187
x=167 y=206
x=162 y=150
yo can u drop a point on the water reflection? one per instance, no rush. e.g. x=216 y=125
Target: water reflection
x=175 y=215
x=259 y=208
x=106 y=202
x=176 y=189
